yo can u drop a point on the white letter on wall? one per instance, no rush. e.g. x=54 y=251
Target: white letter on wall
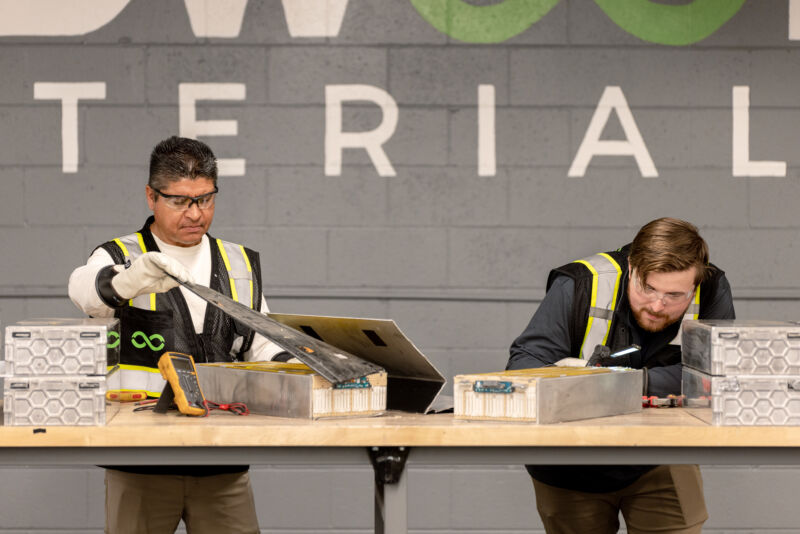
x=742 y=166
x=794 y=20
x=314 y=18
x=372 y=141
x=57 y=17
x=212 y=18
x=487 y=165
x=592 y=145
x=188 y=95
x=69 y=93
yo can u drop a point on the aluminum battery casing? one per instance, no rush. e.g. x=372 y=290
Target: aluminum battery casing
x=291 y=390
x=741 y=347
x=62 y=347
x=548 y=395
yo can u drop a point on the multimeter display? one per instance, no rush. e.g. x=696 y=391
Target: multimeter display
x=178 y=370
x=181 y=364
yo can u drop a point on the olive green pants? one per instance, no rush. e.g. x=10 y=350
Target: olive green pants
x=155 y=504
x=667 y=500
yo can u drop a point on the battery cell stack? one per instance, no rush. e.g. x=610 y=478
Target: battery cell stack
x=56 y=371
x=742 y=372
x=547 y=394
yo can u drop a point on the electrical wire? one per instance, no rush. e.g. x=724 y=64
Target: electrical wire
x=238 y=408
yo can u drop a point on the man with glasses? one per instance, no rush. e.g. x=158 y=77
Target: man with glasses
x=129 y=277
x=637 y=295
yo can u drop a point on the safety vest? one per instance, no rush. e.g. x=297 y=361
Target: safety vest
x=236 y=270
x=598 y=281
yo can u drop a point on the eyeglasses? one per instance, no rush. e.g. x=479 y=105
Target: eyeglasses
x=183 y=202
x=673 y=297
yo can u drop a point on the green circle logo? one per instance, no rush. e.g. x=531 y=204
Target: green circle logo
x=482 y=24
x=649 y=20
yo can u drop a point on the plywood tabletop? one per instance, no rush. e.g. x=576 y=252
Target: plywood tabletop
x=669 y=427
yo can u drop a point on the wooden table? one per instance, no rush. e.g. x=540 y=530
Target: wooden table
x=661 y=436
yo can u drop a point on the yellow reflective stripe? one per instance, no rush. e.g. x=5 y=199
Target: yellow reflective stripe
x=128 y=367
x=592 y=304
x=143 y=248
x=224 y=255
x=616 y=291
x=697 y=302
x=141 y=241
x=234 y=294
x=249 y=270
x=246 y=259
x=122 y=246
x=127 y=255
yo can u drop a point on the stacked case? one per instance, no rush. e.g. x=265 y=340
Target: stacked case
x=56 y=371
x=742 y=372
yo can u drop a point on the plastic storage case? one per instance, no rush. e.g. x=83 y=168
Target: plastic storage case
x=742 y=372
x=51 y=401
x=741 y=347
x=66 y=347
x=741 y=400
x=548 y=395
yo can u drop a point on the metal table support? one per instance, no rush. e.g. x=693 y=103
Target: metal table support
x=391 y=492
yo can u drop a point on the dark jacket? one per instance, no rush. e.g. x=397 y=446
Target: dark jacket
x=556 y=331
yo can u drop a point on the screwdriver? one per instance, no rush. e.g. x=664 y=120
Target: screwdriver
x=126 y=396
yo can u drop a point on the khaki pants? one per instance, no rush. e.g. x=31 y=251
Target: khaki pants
x=667 y=500
x=155 y=504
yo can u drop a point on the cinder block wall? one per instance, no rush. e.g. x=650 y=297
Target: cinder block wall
x=458 y=259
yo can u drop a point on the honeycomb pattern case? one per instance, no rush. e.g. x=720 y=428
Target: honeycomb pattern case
x=49 y=347
x=45 y=401
x=742 y=400
x=736 y=347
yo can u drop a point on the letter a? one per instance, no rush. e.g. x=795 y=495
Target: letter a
x=592 y=145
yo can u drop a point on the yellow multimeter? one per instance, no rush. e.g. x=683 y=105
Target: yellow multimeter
x=182 y=386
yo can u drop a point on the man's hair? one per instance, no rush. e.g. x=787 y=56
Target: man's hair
x=177 y=158
x=668 y=245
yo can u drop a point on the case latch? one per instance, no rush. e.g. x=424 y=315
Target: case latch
x=728 y=384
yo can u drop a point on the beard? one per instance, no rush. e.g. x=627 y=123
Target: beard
x=654 y=321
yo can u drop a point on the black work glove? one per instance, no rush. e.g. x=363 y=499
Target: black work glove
x=602 y=357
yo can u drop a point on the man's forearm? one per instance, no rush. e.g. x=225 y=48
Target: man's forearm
x=82 y=290
x=523 y=360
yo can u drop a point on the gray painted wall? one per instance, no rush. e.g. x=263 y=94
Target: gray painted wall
x=457 y=259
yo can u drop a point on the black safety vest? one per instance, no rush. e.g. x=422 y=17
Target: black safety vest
x=158 y=322
x=600 y=285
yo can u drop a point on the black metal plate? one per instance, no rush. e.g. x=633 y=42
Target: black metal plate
x=331 y=363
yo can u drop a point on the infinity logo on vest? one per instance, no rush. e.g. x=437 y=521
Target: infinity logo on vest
x=147 y=341
x=113 y=340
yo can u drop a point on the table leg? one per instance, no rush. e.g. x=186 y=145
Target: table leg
x=391 y=494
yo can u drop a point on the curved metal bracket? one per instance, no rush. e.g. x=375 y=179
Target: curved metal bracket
x=388 y=463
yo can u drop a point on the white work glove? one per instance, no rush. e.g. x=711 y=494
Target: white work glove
x=149 y=273
x=571 y=362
